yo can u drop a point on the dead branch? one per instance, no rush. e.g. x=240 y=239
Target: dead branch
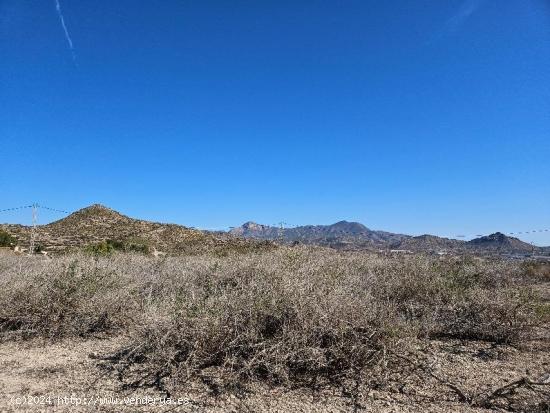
x=461 y=395
x=508 y=389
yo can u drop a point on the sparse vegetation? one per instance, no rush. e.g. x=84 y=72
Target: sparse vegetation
x=6 y=240
x=101 y=248
x=109 y=247
x=537 y=269
x=102 y=231
x=298 y=315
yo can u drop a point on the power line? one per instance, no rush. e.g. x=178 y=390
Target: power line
x=516 y=233
x=53 y=209
x=15 y=208
x=34 y=230
x=34 y=206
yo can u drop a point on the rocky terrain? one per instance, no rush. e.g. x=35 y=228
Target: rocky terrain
x=501 y=242
x=97 y=223
x=50 y=373
x=430 y=243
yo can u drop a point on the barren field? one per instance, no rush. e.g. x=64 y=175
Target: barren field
x=294 y=329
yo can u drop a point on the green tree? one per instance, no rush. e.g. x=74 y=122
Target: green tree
x=6 y=240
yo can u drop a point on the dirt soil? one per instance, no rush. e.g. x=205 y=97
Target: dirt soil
x=38 y=376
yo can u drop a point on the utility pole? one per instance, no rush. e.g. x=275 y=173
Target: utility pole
x=33 y=229
x=281 y=230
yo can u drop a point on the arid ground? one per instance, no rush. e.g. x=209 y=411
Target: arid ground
x=289 y=330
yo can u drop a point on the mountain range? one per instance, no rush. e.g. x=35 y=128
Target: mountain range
x=97 y=223
x=353 y=235
x=340 y=235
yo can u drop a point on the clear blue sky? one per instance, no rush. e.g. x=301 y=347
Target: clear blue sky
x=415 y=116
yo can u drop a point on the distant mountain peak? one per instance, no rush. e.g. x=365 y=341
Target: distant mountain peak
x=252 y=225
x=96 y=208
x=95 y=211
x=500 y=241
x=351 y=227
x=252 y=229
x=495 y=237
x=427 y=242
x=342 y=234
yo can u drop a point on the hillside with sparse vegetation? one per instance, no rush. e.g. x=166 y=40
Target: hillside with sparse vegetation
x=102 y=230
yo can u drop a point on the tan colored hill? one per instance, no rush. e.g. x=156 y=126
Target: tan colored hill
x=429 y=243
x=98 y=223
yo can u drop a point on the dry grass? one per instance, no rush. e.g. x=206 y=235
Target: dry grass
x=537 y=270
x=301 y=316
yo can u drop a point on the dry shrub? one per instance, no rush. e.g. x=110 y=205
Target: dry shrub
x=75 y=296
x=298 y=315
x=537 y=270
x=274 y=319
x=496 y=316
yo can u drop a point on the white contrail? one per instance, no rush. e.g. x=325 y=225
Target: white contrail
x=467 y=8
x=67 y=35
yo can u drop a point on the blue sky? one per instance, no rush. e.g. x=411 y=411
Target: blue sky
x=408 y=116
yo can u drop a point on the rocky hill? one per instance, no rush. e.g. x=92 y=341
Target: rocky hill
x=429 y=243
x=500 y=242
x=98 y=223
